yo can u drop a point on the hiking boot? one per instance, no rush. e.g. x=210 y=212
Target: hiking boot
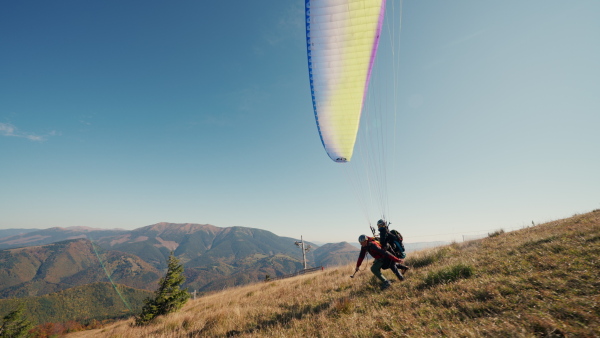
x=402 y=268
x=400 y=276
x=385 y=285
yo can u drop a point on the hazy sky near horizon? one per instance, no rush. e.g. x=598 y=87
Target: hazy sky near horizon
x=122 y=114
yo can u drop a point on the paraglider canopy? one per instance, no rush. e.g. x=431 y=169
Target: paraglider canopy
x=353 y=72
x=341 y=38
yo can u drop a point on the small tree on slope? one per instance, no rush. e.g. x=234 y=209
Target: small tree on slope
x=169 y=297
x=15 y=324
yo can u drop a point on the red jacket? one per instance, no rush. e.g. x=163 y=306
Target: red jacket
x=375 y=250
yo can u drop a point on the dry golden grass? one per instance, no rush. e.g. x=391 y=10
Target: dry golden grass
x=539 y=281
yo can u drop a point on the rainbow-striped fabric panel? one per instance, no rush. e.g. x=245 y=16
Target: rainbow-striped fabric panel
x=341 y=38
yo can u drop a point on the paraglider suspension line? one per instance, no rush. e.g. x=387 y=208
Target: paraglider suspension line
x=109 y=278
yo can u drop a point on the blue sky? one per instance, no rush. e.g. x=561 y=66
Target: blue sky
x=122 y=114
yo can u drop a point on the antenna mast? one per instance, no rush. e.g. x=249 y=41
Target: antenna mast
x=300 y=244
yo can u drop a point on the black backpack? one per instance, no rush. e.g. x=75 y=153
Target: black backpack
x=397 y=234
x=398 y=252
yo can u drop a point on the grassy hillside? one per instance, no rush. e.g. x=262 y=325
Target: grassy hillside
x=539 y=281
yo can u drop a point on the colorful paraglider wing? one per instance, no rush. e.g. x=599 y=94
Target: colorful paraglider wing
x=342 y=38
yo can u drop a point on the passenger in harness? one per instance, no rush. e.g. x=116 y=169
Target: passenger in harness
x=391 y=240
x=382 y=257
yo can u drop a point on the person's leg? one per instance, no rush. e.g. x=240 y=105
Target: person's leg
x=394 y=269
x=402 y=267
x=376 y=270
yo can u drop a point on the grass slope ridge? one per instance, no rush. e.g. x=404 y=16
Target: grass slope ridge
x=538 y=281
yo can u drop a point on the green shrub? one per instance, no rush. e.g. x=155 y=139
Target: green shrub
x=448 y=275
x=496 y=233
x=428 y=258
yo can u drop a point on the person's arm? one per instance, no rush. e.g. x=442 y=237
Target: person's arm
x=384 y=253
x=363 y=252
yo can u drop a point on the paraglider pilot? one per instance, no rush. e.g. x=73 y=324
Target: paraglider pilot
x=382 y=258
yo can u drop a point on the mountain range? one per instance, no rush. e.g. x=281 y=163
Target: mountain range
x=36 y=262
x=39 y=270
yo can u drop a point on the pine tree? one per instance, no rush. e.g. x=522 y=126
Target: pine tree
x=169 y=297
x=15 y=324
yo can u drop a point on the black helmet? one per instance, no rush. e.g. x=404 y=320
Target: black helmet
x=362 y=238
x=381 y=223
